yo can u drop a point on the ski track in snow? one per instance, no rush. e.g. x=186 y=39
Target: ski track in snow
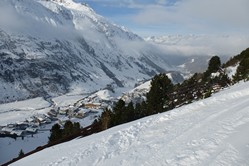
x=213 y=131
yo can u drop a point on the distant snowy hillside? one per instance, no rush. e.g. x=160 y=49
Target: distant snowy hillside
x=48 y=48
x=213 y=131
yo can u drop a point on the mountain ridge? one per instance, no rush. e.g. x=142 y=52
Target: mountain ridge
x=54 y=47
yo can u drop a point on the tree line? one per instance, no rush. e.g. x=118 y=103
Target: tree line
x=57 y=132
x=164 y=96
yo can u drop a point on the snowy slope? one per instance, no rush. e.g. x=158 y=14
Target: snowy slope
x=22 y=110
x=213 y=131
x=49 y=48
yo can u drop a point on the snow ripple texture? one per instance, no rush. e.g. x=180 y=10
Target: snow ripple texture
x=212 y=132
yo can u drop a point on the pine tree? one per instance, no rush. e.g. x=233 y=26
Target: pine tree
x=137 y=111
x=130 y=112
x=119 y=114
x=21 y=153
x=214 y=65
x=224 y=80
x=56 y=133
x=105 y=119
x=68 y=128
x=242 y=72
x=76 y=127
x=140 y=110
x=144 y=109
x=158 y=96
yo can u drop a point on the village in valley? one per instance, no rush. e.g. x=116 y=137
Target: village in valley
x=29 y=122
x=84 y=111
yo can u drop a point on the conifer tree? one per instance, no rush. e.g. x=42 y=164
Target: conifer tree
x=21 y=153
x=119 y=114
x=130 y=112
x=56 y=133
x=76 y=127
x=137 y=111
x=214 y=65
x=105 y=119
x=242 y=72
x=158 y=96
x=68 y=128
x=224 y=80
x=144 y=109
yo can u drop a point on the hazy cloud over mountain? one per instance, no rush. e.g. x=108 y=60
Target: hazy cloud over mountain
x=178 y=16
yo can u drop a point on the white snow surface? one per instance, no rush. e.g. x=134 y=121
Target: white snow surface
x=103 y=94
x=21 y=110
x=145 y=85
x=213 y=131
x=66 y=100
x=231 y=71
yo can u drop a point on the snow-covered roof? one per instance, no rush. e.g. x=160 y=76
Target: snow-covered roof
x=31 y=129
x=18 y=132
x=7 y=129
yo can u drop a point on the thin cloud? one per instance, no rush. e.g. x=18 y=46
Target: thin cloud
x=8 y=17
x=196 y=16
x=206 y=45
x=215 y=15
x=134 y=4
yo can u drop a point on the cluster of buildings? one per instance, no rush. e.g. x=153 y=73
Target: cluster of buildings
x=28 y=127
x=136 y=96
x=33 y=124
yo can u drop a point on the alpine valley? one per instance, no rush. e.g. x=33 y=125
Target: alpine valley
x=61 y=54
x=67 y=73
x=49 y=48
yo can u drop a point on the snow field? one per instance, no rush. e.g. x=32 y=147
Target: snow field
x=21 y=110
x=66 y=100
x=208 y=132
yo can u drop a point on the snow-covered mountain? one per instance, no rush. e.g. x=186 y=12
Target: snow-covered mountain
x=52 y=47
x=202 y=44
x=192 y=52
x=207 y=132
x=172 y=39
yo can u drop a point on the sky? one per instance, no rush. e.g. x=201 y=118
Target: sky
x=164 y=17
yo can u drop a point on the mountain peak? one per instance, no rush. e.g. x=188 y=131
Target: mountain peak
x=71 y=4
x=69 y=48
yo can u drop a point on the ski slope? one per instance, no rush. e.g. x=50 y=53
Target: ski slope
x=213 y=131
